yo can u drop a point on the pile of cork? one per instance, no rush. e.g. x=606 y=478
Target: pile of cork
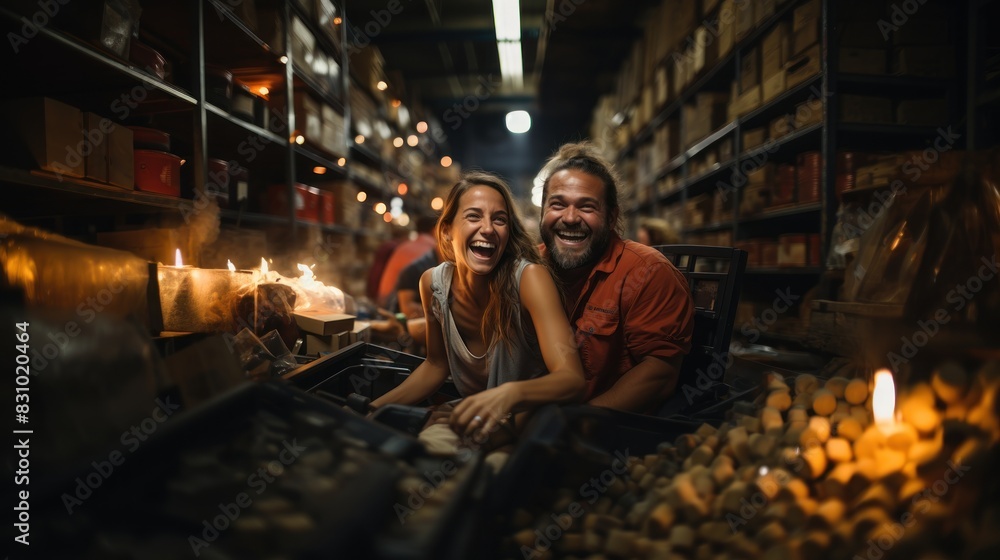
x=802 y=473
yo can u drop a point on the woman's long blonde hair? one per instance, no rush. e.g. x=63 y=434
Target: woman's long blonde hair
x=505 y=299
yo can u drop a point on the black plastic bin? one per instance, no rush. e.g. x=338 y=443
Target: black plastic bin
x=263 y=471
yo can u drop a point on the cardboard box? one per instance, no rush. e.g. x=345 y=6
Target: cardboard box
x=773 y=86
x=45 y=134
x=746 y=102
x=744 y=12
x=865 y=109
x=793 y=250
x=754 y=138
x=706 y=49
x=854 y=60
x=808 y=113
x=323 y=323
x=804 y=38
x=780 y=126
x=808 y=14
x=308 y=114
x=334 y=137
x=928 y=112
x=803 y=67
x=318 y=344
x=95 y=147
x=932 y=62
x=755 y=199
x=121 y=157
x=750 y=69
x=763 y=176
x=661 y=86
x=775 y=48
x=727 y=27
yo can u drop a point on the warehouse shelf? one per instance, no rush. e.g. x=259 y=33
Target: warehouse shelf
x=784 y=103
x=226 y=12
x=247 y=126
x=116 y=69
x=785 y=270
x=317 y=89
x=714 y=78
x=712 y=138
x=670 y=167
x=78 y=189
x=318 y=32
x=327 y=161
x=778 y=213
x=381 y=189
x=240 y=216
x=701 y=182
x=890 y=130
x=892 y=85
x=718 y=226
x=795 y=141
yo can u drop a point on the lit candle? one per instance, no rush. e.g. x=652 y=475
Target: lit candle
x=884 y=400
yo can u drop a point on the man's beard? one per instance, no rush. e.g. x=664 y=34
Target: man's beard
x=599 y=240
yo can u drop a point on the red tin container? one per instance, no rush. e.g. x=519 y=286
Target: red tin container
x=157 y=172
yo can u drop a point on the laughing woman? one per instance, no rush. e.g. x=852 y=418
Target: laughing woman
x=495 y=321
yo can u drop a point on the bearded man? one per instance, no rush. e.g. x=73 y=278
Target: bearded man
x=630 y=307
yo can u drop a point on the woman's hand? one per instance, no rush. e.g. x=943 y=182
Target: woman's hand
x=440 y=414
x=481 y=414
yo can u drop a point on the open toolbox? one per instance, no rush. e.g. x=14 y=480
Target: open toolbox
x=265 y=471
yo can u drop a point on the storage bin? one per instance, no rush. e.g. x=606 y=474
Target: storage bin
x=157 y=172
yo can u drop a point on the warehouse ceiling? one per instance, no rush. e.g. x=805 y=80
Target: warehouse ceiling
x=445 y=54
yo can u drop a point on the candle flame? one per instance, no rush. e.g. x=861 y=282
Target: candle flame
x=178 y=261
x=232 y=267
x=263 y=266
x=883 y=397
x=307 y=273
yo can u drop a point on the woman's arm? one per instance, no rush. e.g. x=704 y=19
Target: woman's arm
x=431 y=374
x=563 y=383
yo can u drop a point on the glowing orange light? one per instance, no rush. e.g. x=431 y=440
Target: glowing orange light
x=319 y=170
x=380 y=208
x=437 y=203
x=396 y=103
x=421 y=127
x=446 y=161
x=382 y=86
x=178 y=261
x=387 y=217
x=342 y=162
x=359 y=139
x=884 y=398
x=362 y=196
x=338 y=20
x=402 y=188
x=263 y=90
x=230 y=265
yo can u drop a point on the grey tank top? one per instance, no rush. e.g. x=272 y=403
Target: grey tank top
x=470 y=373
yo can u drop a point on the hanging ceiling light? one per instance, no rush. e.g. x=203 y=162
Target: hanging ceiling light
x=507 y=19
x=518 y=122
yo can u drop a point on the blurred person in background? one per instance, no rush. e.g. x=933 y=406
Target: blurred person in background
x=655 y=232
x=404 y=254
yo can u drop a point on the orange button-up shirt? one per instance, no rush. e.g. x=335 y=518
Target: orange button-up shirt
x=634 y=303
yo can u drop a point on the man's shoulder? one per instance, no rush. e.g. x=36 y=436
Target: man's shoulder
x=637 y=253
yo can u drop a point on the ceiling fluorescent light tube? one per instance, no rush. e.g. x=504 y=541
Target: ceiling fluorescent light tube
x=507 y=18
